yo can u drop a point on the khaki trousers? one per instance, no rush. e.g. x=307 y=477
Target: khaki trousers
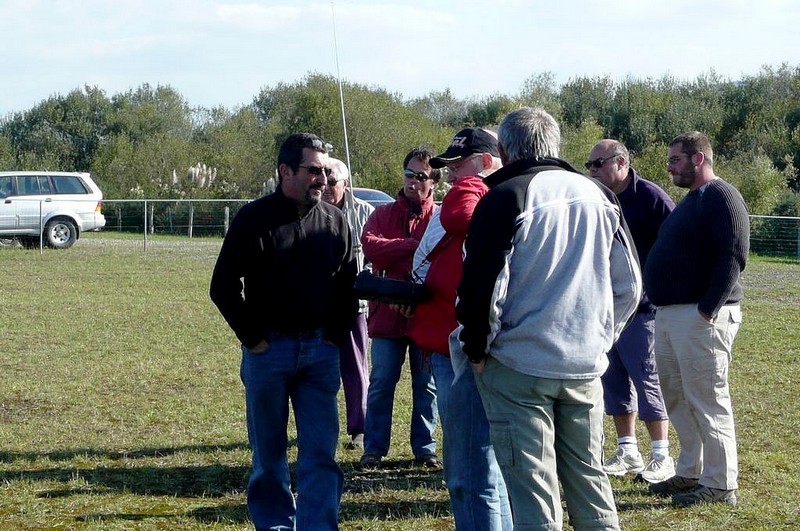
x=545 y=430
x=693 y=356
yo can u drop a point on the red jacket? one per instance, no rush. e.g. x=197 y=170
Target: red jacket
x=435 y=319
x=389 y=240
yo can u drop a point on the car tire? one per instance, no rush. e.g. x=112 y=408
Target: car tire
x=60 y=233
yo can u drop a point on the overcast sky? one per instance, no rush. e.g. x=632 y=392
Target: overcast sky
x=223 y=52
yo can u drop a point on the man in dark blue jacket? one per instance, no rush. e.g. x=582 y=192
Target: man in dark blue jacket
x=630 y=384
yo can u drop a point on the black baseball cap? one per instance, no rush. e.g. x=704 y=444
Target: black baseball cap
x=467 y=142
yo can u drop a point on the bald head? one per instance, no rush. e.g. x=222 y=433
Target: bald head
x=609 y=163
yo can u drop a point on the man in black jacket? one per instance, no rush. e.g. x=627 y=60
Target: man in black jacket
x=283 y=282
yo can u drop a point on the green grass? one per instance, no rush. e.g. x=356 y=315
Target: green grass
x=121 y=405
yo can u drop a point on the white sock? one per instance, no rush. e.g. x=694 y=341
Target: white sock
x=661 y=449
x=629 y=445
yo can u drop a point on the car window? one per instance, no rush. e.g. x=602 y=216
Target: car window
x=68 y=184
x=33 y=185
x=6 y=185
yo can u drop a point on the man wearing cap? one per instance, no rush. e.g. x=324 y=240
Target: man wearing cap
x=478 y=495
x=353 y=353
x=390 y=237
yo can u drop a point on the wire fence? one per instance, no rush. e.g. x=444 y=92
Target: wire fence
x=769 y=235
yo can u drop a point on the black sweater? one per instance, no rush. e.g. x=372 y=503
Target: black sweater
x=280 y=272
x=701 y=250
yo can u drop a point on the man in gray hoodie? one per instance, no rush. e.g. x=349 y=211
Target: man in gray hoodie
x=550 y=280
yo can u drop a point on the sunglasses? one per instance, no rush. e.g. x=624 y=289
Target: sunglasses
x=315 y=170
x=332 y=181
x=421 y=176
x=598 y=163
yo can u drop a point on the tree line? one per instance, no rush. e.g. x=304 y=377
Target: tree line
x=149 y=142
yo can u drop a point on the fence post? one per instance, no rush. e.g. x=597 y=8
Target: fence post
x=145 y=225
x=150 y=226
x=227 y=219
x=191 y=218
x=119 y=219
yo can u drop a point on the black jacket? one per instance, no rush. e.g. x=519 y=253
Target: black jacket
x=279 y=272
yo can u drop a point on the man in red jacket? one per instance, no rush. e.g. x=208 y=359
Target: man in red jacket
x=389 y=240
x=478 y=495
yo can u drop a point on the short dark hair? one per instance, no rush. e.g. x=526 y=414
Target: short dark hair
x=291 y=152
x=695 y=142
x=423 y=153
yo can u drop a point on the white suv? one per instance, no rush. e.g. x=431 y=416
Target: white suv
x=56 y=205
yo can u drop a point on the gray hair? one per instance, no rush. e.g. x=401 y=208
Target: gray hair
x=618 y=149
x=340 y=168
x=529 y=133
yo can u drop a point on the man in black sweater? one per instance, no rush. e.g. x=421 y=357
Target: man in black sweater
x=692 y=276
x=283 y=282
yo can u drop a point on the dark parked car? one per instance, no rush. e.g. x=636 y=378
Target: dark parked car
x=373 y=197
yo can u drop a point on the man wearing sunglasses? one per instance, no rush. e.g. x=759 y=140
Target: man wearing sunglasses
x=283 y=282
x=355 y=371
x=390 y=238
x=630 y=384
x=478 y=496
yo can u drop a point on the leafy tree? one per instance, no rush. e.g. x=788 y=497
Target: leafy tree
x=61 y=133
x=442 y=107
x=233 y=144
x=381 y=128
x=540 y=90
x=585 y=99
x=489 y=111
x=762 y=186
x=577 y=143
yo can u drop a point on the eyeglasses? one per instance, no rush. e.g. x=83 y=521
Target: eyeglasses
x=421 y=176
x=315 y=170
x=455 y=166
x=598 y=163
x=676 y=158
x=332 y=181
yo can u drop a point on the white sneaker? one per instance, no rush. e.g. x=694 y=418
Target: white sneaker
x=621 y=463
x=658 y=470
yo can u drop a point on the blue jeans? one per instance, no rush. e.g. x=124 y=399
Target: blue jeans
x=478 y=496
x=388 y=356
x=304 y=369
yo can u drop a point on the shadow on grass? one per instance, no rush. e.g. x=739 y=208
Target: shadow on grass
x=66 y=455
x=235 y=513
x=220 y=481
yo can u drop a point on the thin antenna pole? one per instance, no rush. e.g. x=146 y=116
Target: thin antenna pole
x=341 y=96
x=349 y=198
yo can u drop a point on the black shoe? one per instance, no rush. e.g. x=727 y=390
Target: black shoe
x=430 y=461
x=702 y=494
x=673 y=485
x=370 y=461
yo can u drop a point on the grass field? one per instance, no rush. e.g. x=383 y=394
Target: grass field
x=121 y=405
